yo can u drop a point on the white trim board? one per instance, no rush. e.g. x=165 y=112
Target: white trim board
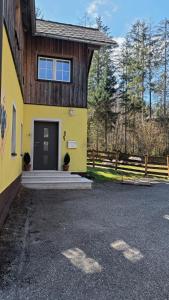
x=59 y=139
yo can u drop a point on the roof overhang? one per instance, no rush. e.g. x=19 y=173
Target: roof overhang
x=96 y=44
x=28 y=13
x=73 y=33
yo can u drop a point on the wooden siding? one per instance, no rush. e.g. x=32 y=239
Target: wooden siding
x=54 y=93
x=15 y=31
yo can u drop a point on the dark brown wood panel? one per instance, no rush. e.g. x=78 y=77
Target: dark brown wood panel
x=55 y=93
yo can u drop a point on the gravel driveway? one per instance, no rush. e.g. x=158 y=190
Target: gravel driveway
x=111 y=242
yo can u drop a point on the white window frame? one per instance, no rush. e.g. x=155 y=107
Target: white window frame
x=13 y=131
x=55 y=60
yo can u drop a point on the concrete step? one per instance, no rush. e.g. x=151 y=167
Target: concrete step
x=52 y=178
x=45 y=173
x=83 y=184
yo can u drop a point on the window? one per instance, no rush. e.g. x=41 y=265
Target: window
x=45 y=69
x=13 y=137
x=54 y=69
x=63 y=70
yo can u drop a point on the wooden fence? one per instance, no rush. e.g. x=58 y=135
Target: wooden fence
x=140 y=164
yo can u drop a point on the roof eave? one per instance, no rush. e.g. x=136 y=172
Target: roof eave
x=28 y=14
x=86 y=41
x=33 y=15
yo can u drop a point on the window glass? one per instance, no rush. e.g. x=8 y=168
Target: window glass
x=63 y=71
x=42 y=73
x=42 y=63
x=45 y=145
x=54 y=69
x=46 y=133
x=66 y=66
x=66 y=76
x=59 y=75
x=59 y=65
x=49 y=74
x=45 y=69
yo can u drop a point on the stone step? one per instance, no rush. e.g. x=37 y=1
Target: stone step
x=74 y=184
x=45 y=173
x=51 y=178
x=54 y=180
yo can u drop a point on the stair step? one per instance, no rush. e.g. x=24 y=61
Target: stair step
x=45 y=173
x=53 y=178
x=87 y=184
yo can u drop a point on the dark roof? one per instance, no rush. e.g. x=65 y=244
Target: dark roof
x=72 y=33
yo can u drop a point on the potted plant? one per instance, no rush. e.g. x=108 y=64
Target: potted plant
x=27 y=160
x=66 y=162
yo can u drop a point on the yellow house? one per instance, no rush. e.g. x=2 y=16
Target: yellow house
x=43 y=101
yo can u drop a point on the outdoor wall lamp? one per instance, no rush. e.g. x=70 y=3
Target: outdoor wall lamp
x=72 y=112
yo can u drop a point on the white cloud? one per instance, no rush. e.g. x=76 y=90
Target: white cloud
x=92 y=9
x=120 y=40
x=115 y=8
x=101 y=7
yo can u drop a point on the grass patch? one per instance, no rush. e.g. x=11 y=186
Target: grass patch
x=151 y=168
x=108 y=174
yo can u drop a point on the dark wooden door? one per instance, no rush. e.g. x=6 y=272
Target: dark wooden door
x=45 y=146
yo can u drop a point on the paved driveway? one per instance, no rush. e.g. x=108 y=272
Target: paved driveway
x=108 y=243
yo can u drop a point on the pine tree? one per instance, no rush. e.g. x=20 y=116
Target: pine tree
x=102 y=88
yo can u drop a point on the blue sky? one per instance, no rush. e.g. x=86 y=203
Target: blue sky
x=117 y=14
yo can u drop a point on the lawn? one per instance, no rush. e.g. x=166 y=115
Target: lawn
x=108 y=174
x=151 y=167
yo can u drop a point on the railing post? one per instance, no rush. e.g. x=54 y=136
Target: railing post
x=168 y=164
x=93 y=157
x=117 y=158
x=146 y=165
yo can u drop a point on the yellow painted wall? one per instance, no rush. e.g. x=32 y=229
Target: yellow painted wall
x=75 y=127
x=10 y=167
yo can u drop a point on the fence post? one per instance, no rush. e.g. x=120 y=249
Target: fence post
x=117 y=158
x=146 y=165
x=168 y=163
x=93 y=158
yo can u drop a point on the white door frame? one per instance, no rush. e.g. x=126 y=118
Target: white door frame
x=59 y=138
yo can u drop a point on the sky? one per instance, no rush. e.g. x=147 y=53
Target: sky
x=118 y=15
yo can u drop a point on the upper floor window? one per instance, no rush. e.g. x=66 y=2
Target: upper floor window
x=54 y=69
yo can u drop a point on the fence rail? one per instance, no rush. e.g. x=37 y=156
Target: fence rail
x=140 y=164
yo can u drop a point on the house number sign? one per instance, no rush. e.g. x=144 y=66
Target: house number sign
x=72 y=144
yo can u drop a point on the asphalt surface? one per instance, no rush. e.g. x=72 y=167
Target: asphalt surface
x=111 y=242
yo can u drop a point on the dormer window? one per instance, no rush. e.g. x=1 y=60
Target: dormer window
x=53 y=69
